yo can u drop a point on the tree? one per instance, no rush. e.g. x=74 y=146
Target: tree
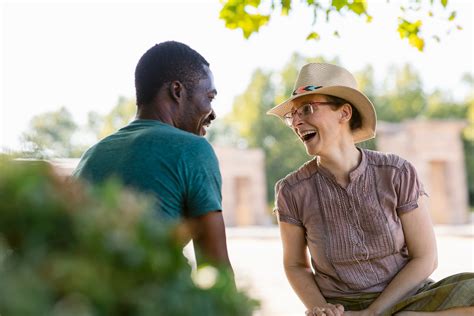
x=249 y=16
x=117 y=118
x=49 y=135
x=441 y=107
x=56 y=134
x=402 y=96
x=281 y=147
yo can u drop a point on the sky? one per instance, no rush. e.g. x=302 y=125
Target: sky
x=82 y=54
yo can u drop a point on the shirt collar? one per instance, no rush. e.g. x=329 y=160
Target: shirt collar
x=360 y=169
x=354 y=174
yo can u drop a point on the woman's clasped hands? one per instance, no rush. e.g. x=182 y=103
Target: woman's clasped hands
x=337 y=310
x=326 y=310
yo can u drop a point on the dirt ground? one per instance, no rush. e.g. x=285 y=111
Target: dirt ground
x=256 y=257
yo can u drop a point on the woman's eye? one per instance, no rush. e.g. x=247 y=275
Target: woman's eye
x=306 y=109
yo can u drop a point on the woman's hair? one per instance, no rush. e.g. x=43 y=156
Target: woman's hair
x=356 y=119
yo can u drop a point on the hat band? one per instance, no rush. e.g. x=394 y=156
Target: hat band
x=305 y=89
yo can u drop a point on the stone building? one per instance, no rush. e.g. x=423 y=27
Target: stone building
x=436 y=150
x=243 y=184
x=244 y=196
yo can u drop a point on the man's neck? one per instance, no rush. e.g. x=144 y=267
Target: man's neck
x=151 y=113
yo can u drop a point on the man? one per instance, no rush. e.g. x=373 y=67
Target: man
x=163 y=152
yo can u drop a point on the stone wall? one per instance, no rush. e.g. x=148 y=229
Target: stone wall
x=243 y=186
x=436 y=150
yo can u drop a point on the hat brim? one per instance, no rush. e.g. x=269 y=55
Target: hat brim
x=355 y=97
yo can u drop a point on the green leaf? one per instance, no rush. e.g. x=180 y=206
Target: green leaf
x=444 y=3
x=253 y=3
x=236 y=16
x=339 y=4
x=452 y=16
x=430 y=13
x=406 y=28
x=416 y=41
x=336 y=34
x=410 y=30
x=313 y=36
x=358 y=7
x=285 y=7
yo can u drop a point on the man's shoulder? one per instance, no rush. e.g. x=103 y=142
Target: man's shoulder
x=164 y=133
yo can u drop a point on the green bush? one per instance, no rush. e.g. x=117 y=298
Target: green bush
x=66 y=249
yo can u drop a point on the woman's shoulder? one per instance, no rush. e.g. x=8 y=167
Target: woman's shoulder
x=300 y=175
x=381 y=159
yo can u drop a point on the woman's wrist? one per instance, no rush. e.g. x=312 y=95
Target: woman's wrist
x=373 y=311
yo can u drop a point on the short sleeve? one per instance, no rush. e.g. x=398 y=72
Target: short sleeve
x=285 y=206
x=409 y=188
x=203 y=182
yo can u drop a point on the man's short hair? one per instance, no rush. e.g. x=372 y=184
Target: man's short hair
x=164 y=63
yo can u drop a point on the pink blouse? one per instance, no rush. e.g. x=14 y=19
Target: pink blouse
x=354 y=234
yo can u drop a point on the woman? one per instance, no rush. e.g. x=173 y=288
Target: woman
x=360 y=213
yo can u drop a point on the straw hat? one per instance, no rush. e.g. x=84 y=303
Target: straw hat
x=320 y=78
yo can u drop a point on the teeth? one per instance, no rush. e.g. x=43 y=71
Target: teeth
x=303 y=134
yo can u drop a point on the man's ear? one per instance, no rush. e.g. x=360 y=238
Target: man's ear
x=346 y=112
x=176 y=90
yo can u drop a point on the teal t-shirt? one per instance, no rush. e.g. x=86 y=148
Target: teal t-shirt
x=180 y=169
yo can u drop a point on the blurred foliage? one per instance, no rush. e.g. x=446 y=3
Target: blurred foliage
x=122 y=114
x=468 y=137
x=57 y=135
x=250 y=16
x=50 y=134
x=67 y=249
x=402 y=97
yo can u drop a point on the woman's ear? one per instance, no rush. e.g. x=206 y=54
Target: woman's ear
x=346 y=113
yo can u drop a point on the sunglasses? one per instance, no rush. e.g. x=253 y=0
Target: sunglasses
x=303 y=111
